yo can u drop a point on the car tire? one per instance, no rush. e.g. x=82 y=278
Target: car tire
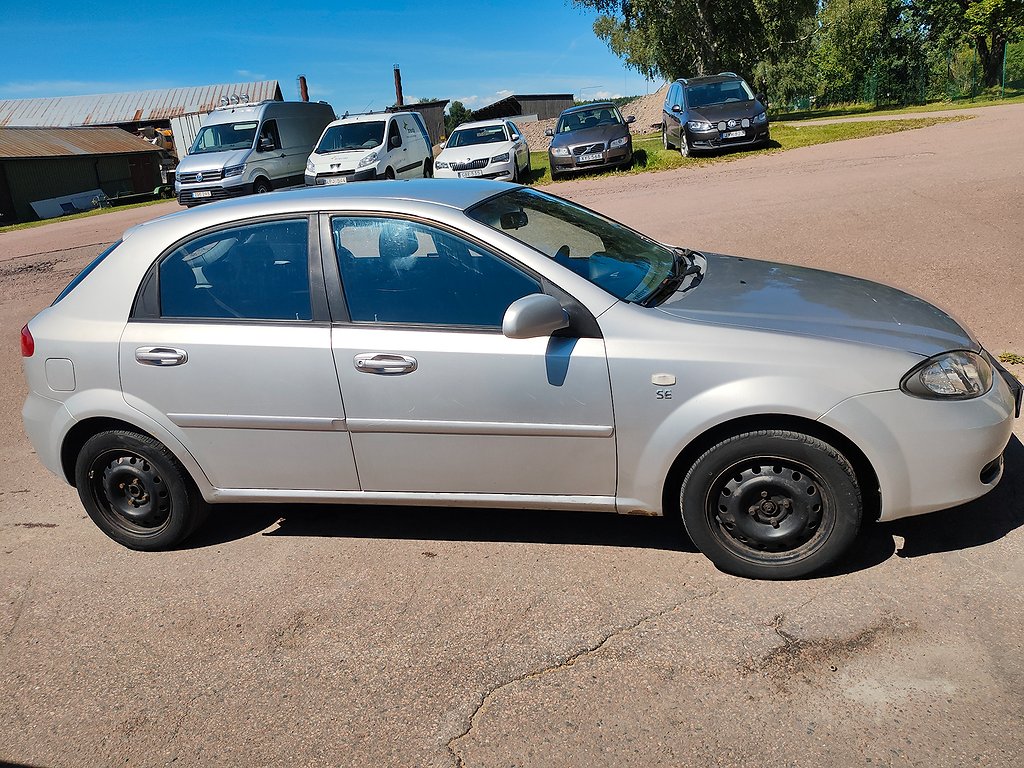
x=261 y=187
x=428 y=169
x=515 y=172
x=529 y=169
x=665 y=143
x=137 y=492
x=772 y=504
x=684 y=145
x=389 y=173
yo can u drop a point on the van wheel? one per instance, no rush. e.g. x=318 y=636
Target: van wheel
x=772 y=504
x=665 y=143
x=261 y=187
x=137 y=492
x=428 y=169
x=684 y=144
x=389 y=173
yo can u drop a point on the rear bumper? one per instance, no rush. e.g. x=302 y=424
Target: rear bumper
x=46 y=422
x=929 y=454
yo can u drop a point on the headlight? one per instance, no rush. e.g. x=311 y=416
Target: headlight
x=761 y=118
x=370 y=158
x=560 y=151
x=619 y=142
x=699 y=125
x=502 y=158
x=956 y=375
x=439 y=165
x=234 y=170
x=310 y=168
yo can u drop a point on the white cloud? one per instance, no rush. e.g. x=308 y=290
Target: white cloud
x=246 y=74
x=476 y=102
x=603 y=95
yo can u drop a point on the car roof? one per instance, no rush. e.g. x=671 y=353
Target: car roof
x=721 y=78
x=482 y=123
x=368 y=117
x=594 y=105
x=458 y=194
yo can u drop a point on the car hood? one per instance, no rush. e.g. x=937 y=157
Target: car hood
x=733 y=110
x=347 y=158
x=779 y=297
x=213 y=161
x=474 y=152
x=598 y=133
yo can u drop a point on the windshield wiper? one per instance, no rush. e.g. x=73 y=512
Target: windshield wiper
x=683 y=266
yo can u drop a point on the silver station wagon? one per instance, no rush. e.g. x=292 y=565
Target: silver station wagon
x=444 y=342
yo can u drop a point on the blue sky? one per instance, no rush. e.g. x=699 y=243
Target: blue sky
x=475 y=52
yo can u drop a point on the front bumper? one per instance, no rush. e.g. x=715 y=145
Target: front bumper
x=221 y=191
x=609 y=157
x=713 y=139
x=340 y=177
x=490 y=171
x=929 y=454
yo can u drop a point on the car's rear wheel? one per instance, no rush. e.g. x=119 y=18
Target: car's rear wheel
x=772 y=504
x=136 y=491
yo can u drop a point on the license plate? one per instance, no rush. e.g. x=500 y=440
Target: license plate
x=332 y=180
x=589 y=156
x=202 y=193
x=470 y=174
x=733 y=134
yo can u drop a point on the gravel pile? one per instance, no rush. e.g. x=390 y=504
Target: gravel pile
x=646 y=109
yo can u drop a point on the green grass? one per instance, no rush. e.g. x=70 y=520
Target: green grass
x=1012 y=358
x=1016 y=96
x=648 y=154
x=97 y=212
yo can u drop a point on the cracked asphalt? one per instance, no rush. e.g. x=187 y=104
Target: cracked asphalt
x=376 y=636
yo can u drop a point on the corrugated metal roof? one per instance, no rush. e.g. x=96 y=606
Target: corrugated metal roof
x=65 y=142
x=130 y=107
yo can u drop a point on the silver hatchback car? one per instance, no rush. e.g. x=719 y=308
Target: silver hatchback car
x=444 y=342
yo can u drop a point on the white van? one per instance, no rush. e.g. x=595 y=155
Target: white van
x=380 y=145
x=250 y=148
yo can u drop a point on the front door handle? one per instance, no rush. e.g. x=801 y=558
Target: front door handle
x=161 y=356
x=385 y=364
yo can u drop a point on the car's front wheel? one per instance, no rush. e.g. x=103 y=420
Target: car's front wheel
x=136 y=491
x=684 y=145
x=772 y=504
x=665 y=143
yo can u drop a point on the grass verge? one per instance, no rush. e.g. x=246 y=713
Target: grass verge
x=855 y=110
x=97 y=212
x=649 y=155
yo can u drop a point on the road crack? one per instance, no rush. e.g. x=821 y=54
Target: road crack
x=569 y=661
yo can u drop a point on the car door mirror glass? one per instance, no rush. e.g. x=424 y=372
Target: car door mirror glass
x=631 y=119
x=549 y=132
x=266 y=144
x=676 y=108
x=514 y=220
x=534 y=316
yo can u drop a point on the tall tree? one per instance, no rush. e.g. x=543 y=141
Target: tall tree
x=683 y=38
x=456 y=116
x=986 y=24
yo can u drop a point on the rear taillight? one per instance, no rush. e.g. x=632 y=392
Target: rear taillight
x=28 y=344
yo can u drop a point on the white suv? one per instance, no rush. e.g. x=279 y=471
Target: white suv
x=380 y=145
x=488 y=149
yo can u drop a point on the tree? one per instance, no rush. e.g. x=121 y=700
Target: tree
x=684 y=38
x=988 y=25
x=457 y=115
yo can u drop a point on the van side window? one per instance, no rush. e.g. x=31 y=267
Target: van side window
x=393 y=132
x=253 y=272
x=269 y=131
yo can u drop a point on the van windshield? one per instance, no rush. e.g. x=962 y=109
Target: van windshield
x=217 y=138
x=342 y=138
x=706 y=94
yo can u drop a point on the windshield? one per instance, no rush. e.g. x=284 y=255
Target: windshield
x=487 y=134
x=217 y=138
x=588 y=118
x=348 y=136
x=706 y=94
x=621 y=261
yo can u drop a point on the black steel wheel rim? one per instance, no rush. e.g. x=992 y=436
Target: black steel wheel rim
x=130 y=492
x=770 y=508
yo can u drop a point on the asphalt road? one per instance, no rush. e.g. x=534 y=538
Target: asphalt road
x=378 y=637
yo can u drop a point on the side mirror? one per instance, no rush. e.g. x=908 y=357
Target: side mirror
x=549 y=132
x=514 y=220
x=534 y=316
x=396 y=141
x=763 y=99
x=266 y=144
x=676 y=108
x=631 y=119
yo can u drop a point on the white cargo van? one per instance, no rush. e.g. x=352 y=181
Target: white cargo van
x=248 y=148
x=381 y=145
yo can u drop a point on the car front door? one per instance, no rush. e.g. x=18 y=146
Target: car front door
x=437 y=399
x=229 y=346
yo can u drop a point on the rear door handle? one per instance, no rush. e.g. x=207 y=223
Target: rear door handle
x=384 y=364
x=161 y=356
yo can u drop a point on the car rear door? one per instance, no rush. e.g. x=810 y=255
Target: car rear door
x=229 y=346
x=437 y=399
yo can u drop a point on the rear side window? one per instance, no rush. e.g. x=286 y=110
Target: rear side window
x=255 y=272
x=85 y=272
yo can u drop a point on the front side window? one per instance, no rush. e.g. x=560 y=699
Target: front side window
x=396 y=271
x=618 y=259
x=269 y=135
x=218 y=138
x=254 y=272
x=394 y=136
